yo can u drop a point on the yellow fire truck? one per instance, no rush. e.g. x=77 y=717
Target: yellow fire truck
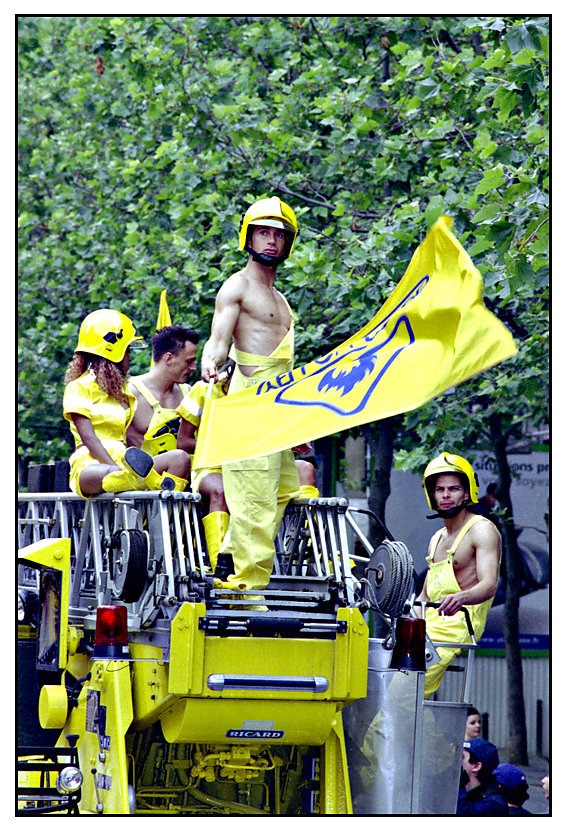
x=144 y=690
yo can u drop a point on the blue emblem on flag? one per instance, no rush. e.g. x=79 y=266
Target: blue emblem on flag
x=357 y=373
x=343 y=380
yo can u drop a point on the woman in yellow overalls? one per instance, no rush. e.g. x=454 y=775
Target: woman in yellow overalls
x=99 y=408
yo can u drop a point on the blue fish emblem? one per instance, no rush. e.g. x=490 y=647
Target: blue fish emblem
x=352 y=375
x=343 y=380
x=347 y=379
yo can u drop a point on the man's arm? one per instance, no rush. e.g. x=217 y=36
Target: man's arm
x=227 y=309
x=423 y=596
x=488 y=546
x=186 y=437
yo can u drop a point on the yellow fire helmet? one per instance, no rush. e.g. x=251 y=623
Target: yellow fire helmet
x=107 y=333
x=275 y=214
x=450 y=464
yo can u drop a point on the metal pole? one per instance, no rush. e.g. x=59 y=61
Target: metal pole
x=539 y=727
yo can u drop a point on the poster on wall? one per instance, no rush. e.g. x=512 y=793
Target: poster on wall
x=530 y=501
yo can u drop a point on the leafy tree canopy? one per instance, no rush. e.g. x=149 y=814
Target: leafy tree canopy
x=143 y=139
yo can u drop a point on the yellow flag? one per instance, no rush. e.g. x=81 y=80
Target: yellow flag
x=432 y=333
x=163 y=318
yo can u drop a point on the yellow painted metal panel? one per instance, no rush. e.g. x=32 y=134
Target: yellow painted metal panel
x=187 y=649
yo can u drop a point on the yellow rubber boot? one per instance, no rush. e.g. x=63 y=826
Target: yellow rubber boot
x=155 y=482
x=178 y=482
x=118 y=481
x=215 y=525
x=308 y=492
x=136 y=465
x=141 y=464
x=138 y=468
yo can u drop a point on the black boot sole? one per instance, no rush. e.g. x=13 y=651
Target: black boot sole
x=138 y=461
x=224 y=567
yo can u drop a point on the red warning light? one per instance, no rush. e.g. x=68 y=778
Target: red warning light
x=111 y=636
x=409 y=650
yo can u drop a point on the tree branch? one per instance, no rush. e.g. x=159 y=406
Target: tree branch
x=321 y=41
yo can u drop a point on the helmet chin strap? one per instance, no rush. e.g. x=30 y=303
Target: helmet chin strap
x=266 y=259
x=447 y=512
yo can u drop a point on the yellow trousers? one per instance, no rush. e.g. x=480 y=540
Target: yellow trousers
x=257 y=492
x=81 y=459
x=439 y=628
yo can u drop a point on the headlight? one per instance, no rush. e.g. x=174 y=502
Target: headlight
x=27 y=606
x=70 y=780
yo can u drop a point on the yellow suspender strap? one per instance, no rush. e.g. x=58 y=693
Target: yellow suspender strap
x=139 y=385
x=470 y=522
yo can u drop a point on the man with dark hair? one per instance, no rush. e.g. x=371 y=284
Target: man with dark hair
x=172 y=339
x=486 y=505
x=463 y=561
x=513 y=787
x=480 y=794
x=160 y=391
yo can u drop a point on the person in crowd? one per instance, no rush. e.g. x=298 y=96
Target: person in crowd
x=463 y=561
x=513 y=786
x=545 y=784
x=256 y=317
x=479 y=794
x=473 y=725
x=155 y=424
x=99 y=409
x=488 y=503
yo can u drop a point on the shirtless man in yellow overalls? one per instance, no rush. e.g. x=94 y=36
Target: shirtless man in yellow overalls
x=464 y=559
x=155 y=424
x=252 y=313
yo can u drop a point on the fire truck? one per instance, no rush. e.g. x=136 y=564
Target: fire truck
x=145 y=690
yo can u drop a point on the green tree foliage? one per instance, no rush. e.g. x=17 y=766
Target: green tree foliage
x=143 y=139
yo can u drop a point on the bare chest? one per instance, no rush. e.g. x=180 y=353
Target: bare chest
x=264 y=320
x=464 y=560
x=169 y=400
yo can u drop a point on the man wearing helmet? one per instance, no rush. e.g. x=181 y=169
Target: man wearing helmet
x=255 y=316
x=463 y=558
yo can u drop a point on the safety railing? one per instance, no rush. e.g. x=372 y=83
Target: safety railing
x=147 y=549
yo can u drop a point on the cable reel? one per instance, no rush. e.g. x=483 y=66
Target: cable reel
x=389 y=578
x=129 y=552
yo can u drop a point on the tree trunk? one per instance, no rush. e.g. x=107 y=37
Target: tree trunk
x=380 y=441
x=514 y=571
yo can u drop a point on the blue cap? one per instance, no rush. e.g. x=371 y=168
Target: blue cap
x=485 y=752
x=510 y=776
